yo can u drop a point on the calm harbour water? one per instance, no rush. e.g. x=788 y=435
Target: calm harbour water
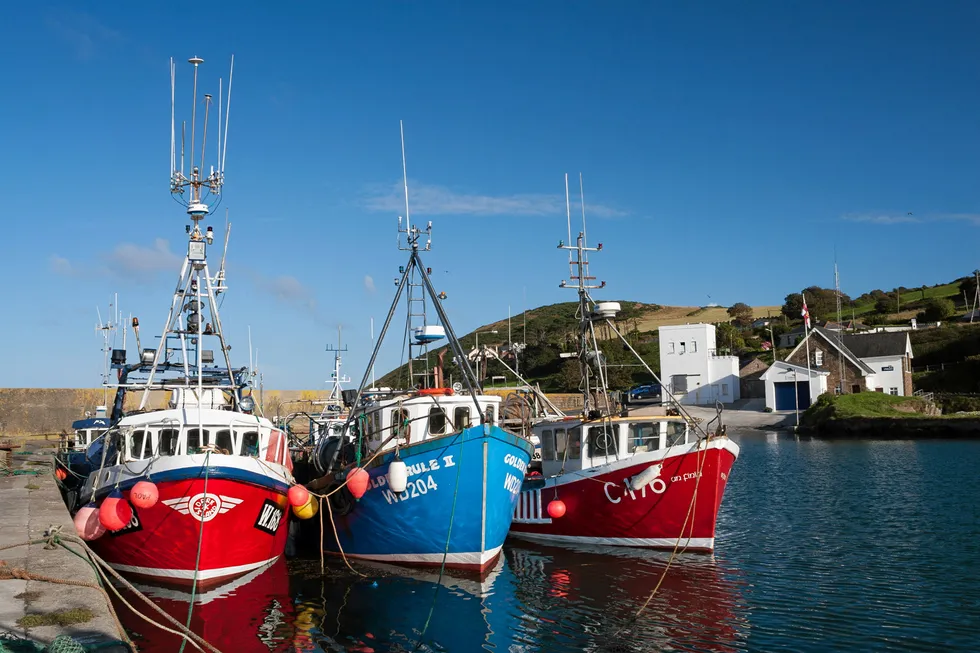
x=823 y=546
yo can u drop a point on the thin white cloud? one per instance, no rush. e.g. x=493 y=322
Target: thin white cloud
x=911 y=218
x=880 y=218
x=62 y=266
x=81 y=31
x=132 y=260
x=289 y=291
x=431 y=199
x=369 y=284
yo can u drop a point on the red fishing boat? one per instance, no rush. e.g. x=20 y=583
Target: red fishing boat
x=612 y=478
x=195 y=492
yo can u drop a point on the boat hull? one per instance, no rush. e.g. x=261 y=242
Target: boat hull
x=456 y=508
x=677 y=509
x=212 y=529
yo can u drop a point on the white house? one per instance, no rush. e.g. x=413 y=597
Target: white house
x=786 y=385
x=691 y=369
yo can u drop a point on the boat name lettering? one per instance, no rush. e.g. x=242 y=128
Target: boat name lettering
x=657 y=486
x=512 y=483
x=514 y=461
x=413 y=489
x=133 y=525
x=269 y=517
x=684 y=477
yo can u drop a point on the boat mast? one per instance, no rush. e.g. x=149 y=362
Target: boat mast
x=582 y=282
x=196 y=293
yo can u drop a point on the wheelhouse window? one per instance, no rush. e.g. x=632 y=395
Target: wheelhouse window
x=676 y=432
x=461 y=418
x=643 y=436
x=548 y=445
x=137 y=444
x=194 y=440
x=572 y=441
x=168 y=441
x=250 y=443
x=401 y=427
x=222 y=440
x=602 y=440
x=437 y=421
x=373 y=426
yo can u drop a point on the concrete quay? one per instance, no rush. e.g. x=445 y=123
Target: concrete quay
x=29 y=506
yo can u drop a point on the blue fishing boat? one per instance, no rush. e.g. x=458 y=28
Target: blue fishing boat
x=424 y=476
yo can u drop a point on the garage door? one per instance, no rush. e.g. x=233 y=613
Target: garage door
x=786 y=398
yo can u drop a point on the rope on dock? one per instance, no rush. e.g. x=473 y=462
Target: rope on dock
x=54 y=537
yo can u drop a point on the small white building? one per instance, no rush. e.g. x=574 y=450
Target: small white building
x=692 y=370
x=786 y=386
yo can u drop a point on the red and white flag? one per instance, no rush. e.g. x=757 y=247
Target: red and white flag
x=806 y=313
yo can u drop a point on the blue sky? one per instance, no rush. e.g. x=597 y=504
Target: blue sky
x=727 y=149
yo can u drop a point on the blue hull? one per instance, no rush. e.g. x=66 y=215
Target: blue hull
x=471 y=479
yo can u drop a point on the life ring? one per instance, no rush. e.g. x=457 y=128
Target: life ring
x=429 y=392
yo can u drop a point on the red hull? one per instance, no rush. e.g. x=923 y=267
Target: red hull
x=680 y=505
x=245 y=527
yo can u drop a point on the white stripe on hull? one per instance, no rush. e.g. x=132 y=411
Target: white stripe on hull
x=472 y=558
x=188 y=574
x=704 y=543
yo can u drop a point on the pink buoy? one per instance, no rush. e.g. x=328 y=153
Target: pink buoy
x=357 y=482
x=115 y=512
x=556 y=508
x=298 y=496
x=87 y=523
x=144 y=494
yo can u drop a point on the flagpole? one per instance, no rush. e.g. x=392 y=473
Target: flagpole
x=806 y=337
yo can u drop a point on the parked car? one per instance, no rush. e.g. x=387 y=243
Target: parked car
x=644 y=392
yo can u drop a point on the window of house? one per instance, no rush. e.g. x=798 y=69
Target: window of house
x=694 y=346
x=461 y=418
x=547 y=440
x=683 y=348
x=724 y=389
x=437 y=420
x=222 y=440
x=888 y=368
x=602 y=440
x=643 y=436
x=168 y=442
x=400 y=425
x=679 y=383
x=818 y=358
x=670 y=347
x=893 y=391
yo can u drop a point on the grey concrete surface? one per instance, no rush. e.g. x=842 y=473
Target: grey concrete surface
x=26 y=514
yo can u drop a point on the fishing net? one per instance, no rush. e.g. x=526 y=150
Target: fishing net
x=10 y=643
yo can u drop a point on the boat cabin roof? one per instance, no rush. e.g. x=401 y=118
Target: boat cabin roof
x=191 y=417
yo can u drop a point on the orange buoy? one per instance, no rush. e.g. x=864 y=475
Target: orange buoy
x=298 y=496
x=357 y=482
x=144 y=494
x=556 y=508
x=115 y=512
x=428 y=392
x=87 y=523
x=61 y=474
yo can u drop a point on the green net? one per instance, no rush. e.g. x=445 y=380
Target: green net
x=64 y=644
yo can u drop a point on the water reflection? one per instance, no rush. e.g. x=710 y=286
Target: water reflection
x=252 y=613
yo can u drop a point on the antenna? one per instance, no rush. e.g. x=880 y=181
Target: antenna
x=173 y=144
x=251 y=368
x=408 y=218
x=568 y=216
x=372 y=343
x=224 y=146
x=195 y=61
